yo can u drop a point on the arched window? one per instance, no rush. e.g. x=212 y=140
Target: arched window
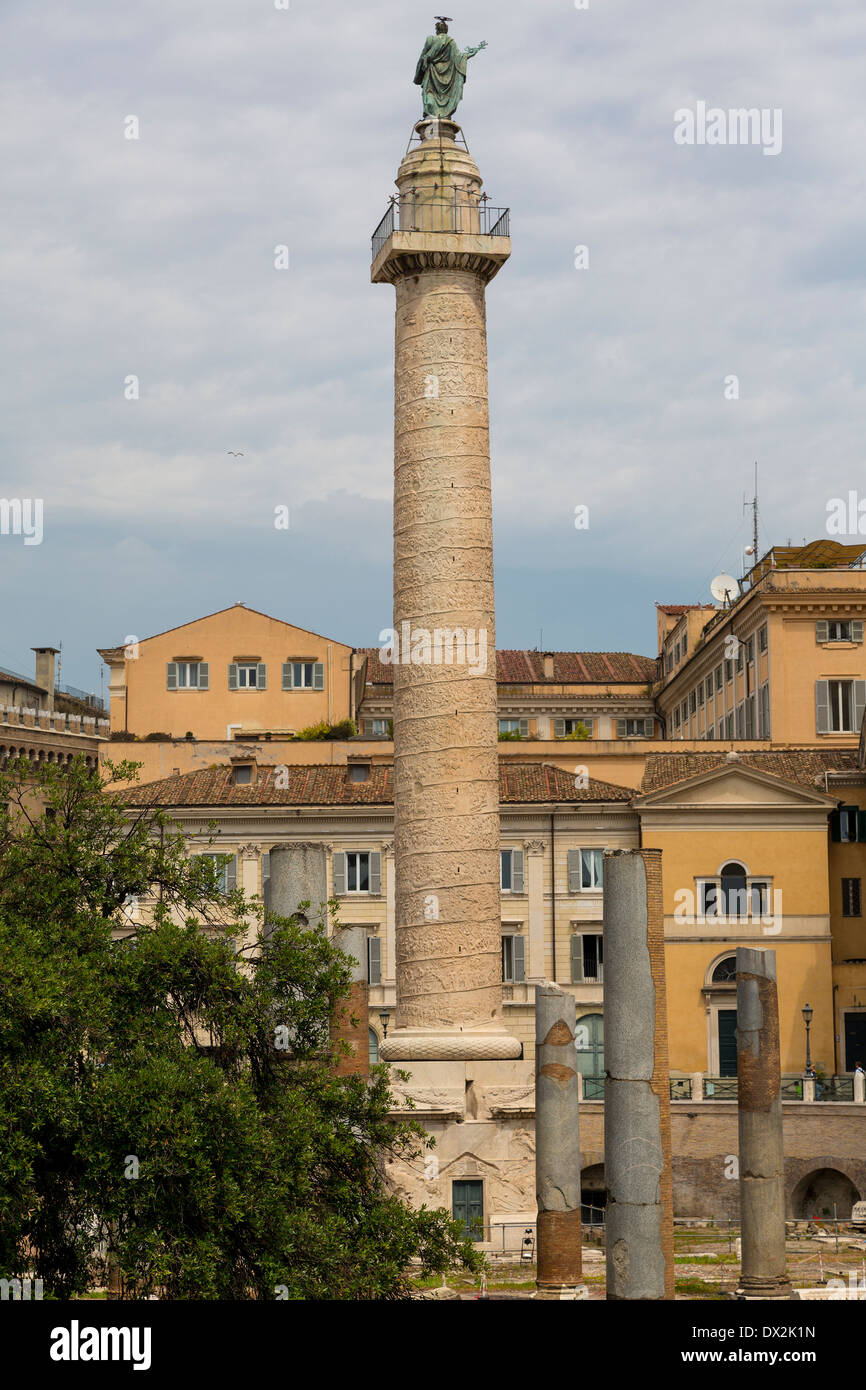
x=735 y=898
x=374 y=1046
x=726 y=971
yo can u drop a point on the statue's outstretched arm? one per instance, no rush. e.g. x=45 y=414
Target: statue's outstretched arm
x=470 y=52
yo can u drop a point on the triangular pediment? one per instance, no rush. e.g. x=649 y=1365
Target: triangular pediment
x=736 y=784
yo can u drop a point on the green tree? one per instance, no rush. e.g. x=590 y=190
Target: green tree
x=169 y=1104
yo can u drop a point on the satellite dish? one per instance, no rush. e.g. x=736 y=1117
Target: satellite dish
x=724 y=588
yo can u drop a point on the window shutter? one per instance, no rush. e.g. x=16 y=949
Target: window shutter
x=233 y=675
x=339 y=872
x=171 y=675
x=318 y=675
x=261 y=676
x=648 y=728
x=374 y=960
x=287 y=675
x=836 y=826
x=518 y=948
x=517 y=871
x=857 y=630
x=266 y=868
x=559 y=728
x=375 y=873
x=822 y=707
x=859 y=704
x=822 y=631
x=574 y=871
x=524 y=728
x=232 y=874
x=620 y=728
x=576 y=959
x=861 y=826
x=203 y=675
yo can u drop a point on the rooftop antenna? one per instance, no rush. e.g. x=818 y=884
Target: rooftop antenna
x=754 y=506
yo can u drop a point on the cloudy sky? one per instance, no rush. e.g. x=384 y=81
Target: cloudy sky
x=261 y=126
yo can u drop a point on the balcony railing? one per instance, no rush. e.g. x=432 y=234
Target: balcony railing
x=414 y=214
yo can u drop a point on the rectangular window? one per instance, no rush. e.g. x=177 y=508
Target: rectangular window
x=729 y=670
x=514 y=726
x=762 y=638
x=186 y=675
x=374 y=960
x=357 y=871
x=750 y=717
x=851 y=905
x=564 y=728
x=587 y=958
x=591 y=862
x=719 y=678
x=634 y=728
x=709 y=687
x=303 y=675
x=839 y=706
x=848 y=825
x=729 y=726
x=750 y=651
x=701 y=695
x=684 y=712
x=669 y=661
x=227 y=871
x=513 y=959
x=740 y=656
x=709 y=899
x=511 y=870
x=677 y=652
x=676 y=718
x=839 y=630
x=764 y=715
x=759 y=893
x=376 y=728
x=685 y=641
x=741 y=721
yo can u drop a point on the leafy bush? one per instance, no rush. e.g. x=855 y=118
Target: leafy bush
x=323 y=730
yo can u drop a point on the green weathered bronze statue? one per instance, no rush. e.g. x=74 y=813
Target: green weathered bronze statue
x=441 y=71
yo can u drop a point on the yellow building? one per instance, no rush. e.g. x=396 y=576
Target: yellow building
x=234 y=673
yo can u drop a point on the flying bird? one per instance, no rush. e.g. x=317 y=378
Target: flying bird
x=233 y=454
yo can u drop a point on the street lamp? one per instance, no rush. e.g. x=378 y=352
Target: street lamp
x=385 y=1017
x=807 y=1019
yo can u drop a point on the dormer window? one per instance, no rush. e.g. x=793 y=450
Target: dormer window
x=359 y=771
x=243 y=772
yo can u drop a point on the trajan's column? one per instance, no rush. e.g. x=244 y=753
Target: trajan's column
x=439 y=245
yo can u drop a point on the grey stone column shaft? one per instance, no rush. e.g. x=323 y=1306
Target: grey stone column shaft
x=762 y=1165
x=557 y=1142
x=639 y=1217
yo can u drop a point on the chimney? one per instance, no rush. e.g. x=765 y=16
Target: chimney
x=45 y=671
x=547 y=659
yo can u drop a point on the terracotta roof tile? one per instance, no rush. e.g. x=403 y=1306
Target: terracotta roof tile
x=805 y=766
x=569 y=668
x=324 y=784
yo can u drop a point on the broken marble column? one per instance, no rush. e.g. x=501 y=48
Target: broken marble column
x=299 y=874
x=637 y=1133
x=557 y=1146
x=759 y=1099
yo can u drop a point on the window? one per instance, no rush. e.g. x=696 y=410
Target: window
x=848 y=825
x=634 y=728
x=242 y=776
x=511 y=870
x=562 y=728
x=587 y=957
x=729 y=726
x=762 y=638
x=374 y=960
x=726 y=971
x=718 y=678
x=684 y=712
x=764 y=711
x=734 y=898
x=227 y=871
x=591 y=871
x=839 y=630
x=750 y=651
x=186 y=675
x=692 y=703
x=514 y=726
x=589 y=1039
x=709 y=688
x=677 y=718
x=357 y=871
x=685 y=641
x=839 y=706
x=701 y=695
x=677 y=652
x=669 y=661
x=303 y=675
x=467 y=1207
x=750 y=717
x=513 y=958
x=377 y=728
x=851 y=897
x=740 y=656
x=374 y=1046
x=248 y=675
x=359 y=772
x=741 y=721
x=729 y=670
x=759 y=893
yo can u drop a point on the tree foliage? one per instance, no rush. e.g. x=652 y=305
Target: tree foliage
x=149 y=1119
